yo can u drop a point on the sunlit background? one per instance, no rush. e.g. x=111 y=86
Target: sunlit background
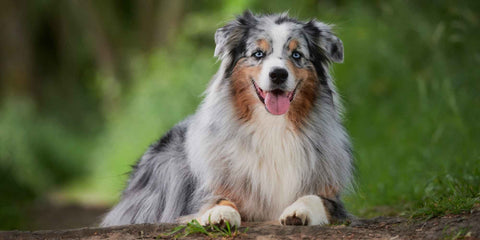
x=86 y=86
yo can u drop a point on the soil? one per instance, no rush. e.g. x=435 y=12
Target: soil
x=54 y=216
x=466 y=226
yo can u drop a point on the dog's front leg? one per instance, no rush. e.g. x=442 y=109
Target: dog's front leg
x=221 y=212
x=307 y=210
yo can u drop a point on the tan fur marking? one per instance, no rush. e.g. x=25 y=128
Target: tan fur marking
x=305 y=95
x=329 y=191
x=233 y=198
x=243 y=92
x=225 y=202
x=293 y=45
x=263 y=44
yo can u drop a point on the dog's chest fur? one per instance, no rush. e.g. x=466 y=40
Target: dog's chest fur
x=273 y=159
x=260 y=165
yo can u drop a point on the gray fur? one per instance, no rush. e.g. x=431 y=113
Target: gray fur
x=178 y=176
x=160 y=186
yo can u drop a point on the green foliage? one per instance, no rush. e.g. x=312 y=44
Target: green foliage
x=410 y=104
x=36 y=154
x=447 y=194
x=212 y=230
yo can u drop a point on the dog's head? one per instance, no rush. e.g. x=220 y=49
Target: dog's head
x=276 y=61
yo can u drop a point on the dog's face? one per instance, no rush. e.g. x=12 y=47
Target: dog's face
x=277 y=62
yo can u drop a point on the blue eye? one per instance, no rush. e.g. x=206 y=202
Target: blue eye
x=296 y=55
x=259 y=54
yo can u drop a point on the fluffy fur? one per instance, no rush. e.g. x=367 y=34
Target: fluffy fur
x=233 y=158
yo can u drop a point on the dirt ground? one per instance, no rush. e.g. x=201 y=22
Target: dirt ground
x=464 y=226
x=46 y=215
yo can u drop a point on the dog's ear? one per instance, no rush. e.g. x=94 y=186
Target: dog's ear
x=321 y=34
x=229 y=37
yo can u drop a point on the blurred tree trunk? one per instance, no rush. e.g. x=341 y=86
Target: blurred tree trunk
x=25 y=26
x=102 y=49
x=145 y=14
x=68 y=63
x=165 y=17
x=170 y=14
x=95 y=32
x=16 y=50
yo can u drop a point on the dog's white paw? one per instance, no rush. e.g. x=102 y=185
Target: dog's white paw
x=219 y=214
x=307 y=210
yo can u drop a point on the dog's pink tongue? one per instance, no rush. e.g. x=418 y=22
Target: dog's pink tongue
x=277 y=104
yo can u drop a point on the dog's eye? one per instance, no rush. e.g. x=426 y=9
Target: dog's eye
x=258 y=54
x=296 y=55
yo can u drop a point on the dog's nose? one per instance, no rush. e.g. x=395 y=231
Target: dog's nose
x=278 y=75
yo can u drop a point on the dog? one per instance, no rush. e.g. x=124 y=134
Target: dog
x=266 y=143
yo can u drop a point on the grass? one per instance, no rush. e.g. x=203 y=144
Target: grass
x=411 y=120
x=212 y=230
x=461 y=233
x=449 y=195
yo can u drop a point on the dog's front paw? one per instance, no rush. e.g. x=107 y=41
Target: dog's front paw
x=294 y=216
x=307 y=210
x=220 y=214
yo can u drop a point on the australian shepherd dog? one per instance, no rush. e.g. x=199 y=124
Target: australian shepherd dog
x=267 y=142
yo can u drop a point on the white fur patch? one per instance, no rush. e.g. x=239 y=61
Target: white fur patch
x=279 y=35
x=218 y=213
x=309 y=209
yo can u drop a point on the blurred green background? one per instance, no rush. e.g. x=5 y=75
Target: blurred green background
x=87 y=85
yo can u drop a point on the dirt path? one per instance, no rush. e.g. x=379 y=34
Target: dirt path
x=466 y=226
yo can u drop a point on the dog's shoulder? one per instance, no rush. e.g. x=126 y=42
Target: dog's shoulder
x=172 y=138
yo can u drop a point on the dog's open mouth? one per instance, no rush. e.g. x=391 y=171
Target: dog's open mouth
x=277 y=101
